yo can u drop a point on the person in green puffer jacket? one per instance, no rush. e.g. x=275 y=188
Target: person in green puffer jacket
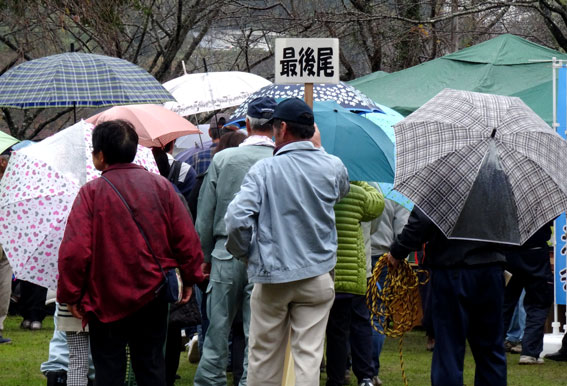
x=349 y=312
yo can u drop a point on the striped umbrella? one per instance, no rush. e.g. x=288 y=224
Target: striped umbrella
x=78 y=79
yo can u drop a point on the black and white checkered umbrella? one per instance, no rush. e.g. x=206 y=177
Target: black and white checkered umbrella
x=482 y=167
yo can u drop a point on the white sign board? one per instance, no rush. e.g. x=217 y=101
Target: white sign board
x=307 y=61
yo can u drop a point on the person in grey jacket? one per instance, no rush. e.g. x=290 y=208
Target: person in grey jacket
x=283 y=224
x=228 y=290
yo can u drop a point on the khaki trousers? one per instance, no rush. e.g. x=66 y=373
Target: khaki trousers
x=300 y=307
x=5 y=287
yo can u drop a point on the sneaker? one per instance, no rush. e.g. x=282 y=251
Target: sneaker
x=56 y=378
x=528 y=360
x=5 y=340
x=376 y=381
x=559 y=356
x=430 y=346
x=513 y=347
x=366 y=382
x=35 y=325
x=193 y=350
x=517 y=349
x=25 y=324
x=346 y=380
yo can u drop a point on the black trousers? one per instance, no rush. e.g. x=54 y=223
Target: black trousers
x=144 y=332
x=32 y=301
x=349 y=318
x=173 y=349
x=467 y=305
x=237 y=347
x=531 y=271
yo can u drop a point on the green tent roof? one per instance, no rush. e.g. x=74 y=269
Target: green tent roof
x=505 y=65
x=368 y=78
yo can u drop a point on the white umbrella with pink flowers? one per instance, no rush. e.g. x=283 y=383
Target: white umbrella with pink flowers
x=36 y=195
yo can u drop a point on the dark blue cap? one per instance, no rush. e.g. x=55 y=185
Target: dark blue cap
x=294 y=110
x=262 y=107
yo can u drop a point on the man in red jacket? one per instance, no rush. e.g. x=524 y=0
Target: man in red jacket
x=108 y=276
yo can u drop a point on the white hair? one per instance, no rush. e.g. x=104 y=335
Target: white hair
x=257 y=123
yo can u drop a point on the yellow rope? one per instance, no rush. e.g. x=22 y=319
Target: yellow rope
x=395 y=303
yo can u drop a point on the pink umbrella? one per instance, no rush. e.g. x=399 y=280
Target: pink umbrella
x=156 y=126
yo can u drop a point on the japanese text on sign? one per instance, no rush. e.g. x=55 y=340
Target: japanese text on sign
x=307 y=61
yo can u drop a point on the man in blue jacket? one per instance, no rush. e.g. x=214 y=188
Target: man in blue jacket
x=283 y=224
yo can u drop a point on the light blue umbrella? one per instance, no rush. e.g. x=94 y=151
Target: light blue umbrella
x=394 y=195
x=364 y=148
x=386 y=121
x=21 y=145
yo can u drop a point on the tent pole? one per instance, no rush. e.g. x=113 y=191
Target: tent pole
x=555 y=324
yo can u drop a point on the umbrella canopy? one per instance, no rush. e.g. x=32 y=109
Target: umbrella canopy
x=36 y=195
x=385 y=119
x=21 y=145
x=156 y=126
x=364 y=148
x=78 y=79
x=208 y=91
x=506 y=65
x=342 y=93
x=482 y=167
x=391 y=194
x=6 y=141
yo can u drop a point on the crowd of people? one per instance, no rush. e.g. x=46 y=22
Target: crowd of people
x=281 y=249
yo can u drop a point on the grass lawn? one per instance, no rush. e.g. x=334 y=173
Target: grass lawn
x=20 y=361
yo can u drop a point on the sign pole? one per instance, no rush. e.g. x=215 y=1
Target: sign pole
x=309 y=94
x=288 y=378
x=304 y=61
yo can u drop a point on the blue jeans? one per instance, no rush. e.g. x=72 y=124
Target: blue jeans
x=518 y=322
x=59 y=353
x=377 y=338
x=531 y=271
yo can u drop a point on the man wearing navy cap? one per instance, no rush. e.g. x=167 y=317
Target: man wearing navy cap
x=229 y=290
x=283 y=224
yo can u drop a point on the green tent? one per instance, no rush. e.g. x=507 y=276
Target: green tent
x=368 y=78
x=505 y=65
x=6 y=141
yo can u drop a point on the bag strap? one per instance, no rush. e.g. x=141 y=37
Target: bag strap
x=138 y=224
x=174 y=171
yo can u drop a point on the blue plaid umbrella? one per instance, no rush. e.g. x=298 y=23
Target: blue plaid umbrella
x=78 y=79
x=343 y=94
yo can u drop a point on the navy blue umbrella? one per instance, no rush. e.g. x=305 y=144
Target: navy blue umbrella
x=343 y=94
